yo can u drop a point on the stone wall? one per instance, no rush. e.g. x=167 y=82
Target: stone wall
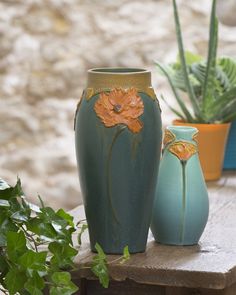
x=46 y=46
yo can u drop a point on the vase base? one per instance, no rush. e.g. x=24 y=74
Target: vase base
x=174 y=243
x=118 y=251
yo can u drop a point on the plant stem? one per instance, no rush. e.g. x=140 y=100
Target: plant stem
x=30 y=237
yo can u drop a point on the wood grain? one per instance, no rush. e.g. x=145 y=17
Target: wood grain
x=209 y=265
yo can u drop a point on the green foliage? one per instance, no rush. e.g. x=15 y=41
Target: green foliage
x=99 y=266
x=36 y=248
x=126 y=255
x=210 y=84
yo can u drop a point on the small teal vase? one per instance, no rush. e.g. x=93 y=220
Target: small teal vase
x=181 y=203
x=230 y=152
x=118 y=144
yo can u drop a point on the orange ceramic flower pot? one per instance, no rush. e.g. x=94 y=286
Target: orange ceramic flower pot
x=211 y=142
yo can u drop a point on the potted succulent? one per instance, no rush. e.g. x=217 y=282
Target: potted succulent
x=211 y=89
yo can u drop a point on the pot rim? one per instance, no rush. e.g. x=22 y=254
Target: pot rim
x=205 y=125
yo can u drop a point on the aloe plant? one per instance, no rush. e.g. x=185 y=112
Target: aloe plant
x=210 y=84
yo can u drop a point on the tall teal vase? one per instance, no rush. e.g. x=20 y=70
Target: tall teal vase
x=118 y=143
x=181 y=203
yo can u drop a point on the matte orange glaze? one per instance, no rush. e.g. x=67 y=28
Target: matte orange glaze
x=120 y=107
x=168 y=137
x=211 y=142
x=183 y=150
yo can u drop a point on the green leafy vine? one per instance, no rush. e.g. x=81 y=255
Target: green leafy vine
x=36 y=247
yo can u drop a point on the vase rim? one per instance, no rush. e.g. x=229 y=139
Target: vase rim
x=118 y=70
x=184 y=129
x=179 y=122
x=110 y=78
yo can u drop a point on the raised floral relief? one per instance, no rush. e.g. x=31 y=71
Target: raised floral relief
x=183 y=150
x=168 y=137
x=120 y=107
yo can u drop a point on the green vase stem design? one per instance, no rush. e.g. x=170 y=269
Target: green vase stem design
x=183 y=165
x=120 y=129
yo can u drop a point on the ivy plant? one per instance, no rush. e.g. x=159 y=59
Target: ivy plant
x=36 y=247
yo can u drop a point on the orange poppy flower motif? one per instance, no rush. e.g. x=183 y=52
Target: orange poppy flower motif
x=168 y=137
x=183 y=150
x=120 y=107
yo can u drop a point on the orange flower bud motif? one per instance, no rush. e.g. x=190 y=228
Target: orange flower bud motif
x=183 y=150
x=168 y=137
x=120 y=107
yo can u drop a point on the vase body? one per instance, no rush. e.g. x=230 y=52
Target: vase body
x=181 y=203
x=230 y=152
x=118 y=143
x=212 y=141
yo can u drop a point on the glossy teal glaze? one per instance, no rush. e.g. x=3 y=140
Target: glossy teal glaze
x=181 y=203
x=118 y=173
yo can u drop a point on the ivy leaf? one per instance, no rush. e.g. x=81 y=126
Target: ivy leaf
x=37 y=226
x=69 y=289
x=15 y=280
x=62 y=254
x=61 y=213
x=4 y=203
x=101 y=255
x=126 y=255
x=16 y=245
x=83 y=229
x=6 y=225
x=63 y=284
x=99 y=266
x=3 y=268
x=3 y=184
x=33 y=260
x=61 y=278
x=20 y=216
x=52 y=225
x=35 y=284
x=49 y=215
x=7 y=192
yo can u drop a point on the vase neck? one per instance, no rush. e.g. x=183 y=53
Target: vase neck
x=182 y=133
x=118 y=78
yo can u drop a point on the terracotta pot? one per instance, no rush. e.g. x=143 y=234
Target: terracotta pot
x=211 y=142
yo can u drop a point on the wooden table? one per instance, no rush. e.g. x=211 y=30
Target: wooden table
x=208 y=268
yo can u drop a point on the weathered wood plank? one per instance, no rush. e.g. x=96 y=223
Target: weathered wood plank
x=125 y=288
x=211 y=264
x=92 y=287
x=192 y=291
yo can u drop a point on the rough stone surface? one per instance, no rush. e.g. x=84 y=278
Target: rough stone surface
x=46 y=48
